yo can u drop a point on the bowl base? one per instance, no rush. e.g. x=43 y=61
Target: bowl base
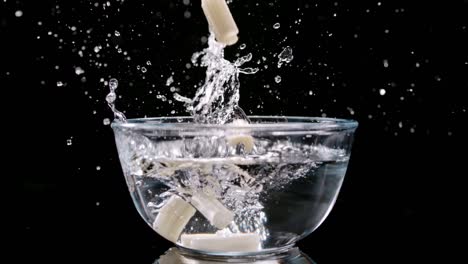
x=290 y=255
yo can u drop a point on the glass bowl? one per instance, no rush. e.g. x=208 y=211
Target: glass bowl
x=238 y=189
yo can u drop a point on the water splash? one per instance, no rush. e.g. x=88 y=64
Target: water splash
x=286 y=56
x=216 y=101
x=111 y=97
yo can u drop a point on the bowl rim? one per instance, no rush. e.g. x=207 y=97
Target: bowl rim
x=281 y=123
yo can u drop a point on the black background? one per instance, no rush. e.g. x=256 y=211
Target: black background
x=402 y=163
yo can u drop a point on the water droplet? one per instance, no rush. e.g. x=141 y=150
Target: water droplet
x=116 y=33
x=148 y=63
x=69 y=142
x=59 y=84
x=278 y=79
x=276 y=25
x=143 y=69
x=110 y=98
x=187 y=14
x=286 y=56
x=19 y=13
x=382 y=92
x=106 y=121
x=173 y=89
x=79 y=71
x=98 y=203
x=169 y=81
x=385 y=63
x=98 y=168
x=248 y=70
x=97 y=49
x=242 y=46
x=311 y=93
x=113 y=84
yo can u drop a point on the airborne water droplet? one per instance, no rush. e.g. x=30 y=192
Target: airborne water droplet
x=169 y=81
x=113 y=84
x=276 y=25
x=385 y=63
x=110 y=98
x=286 y=56
x=79 y=71
x=117 y=34
x=278 y=79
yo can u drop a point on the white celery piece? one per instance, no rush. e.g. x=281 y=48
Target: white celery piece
x=213 y=210
x=222 y=243
x=221 y=21
x=246 y=140
x=173 y=217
